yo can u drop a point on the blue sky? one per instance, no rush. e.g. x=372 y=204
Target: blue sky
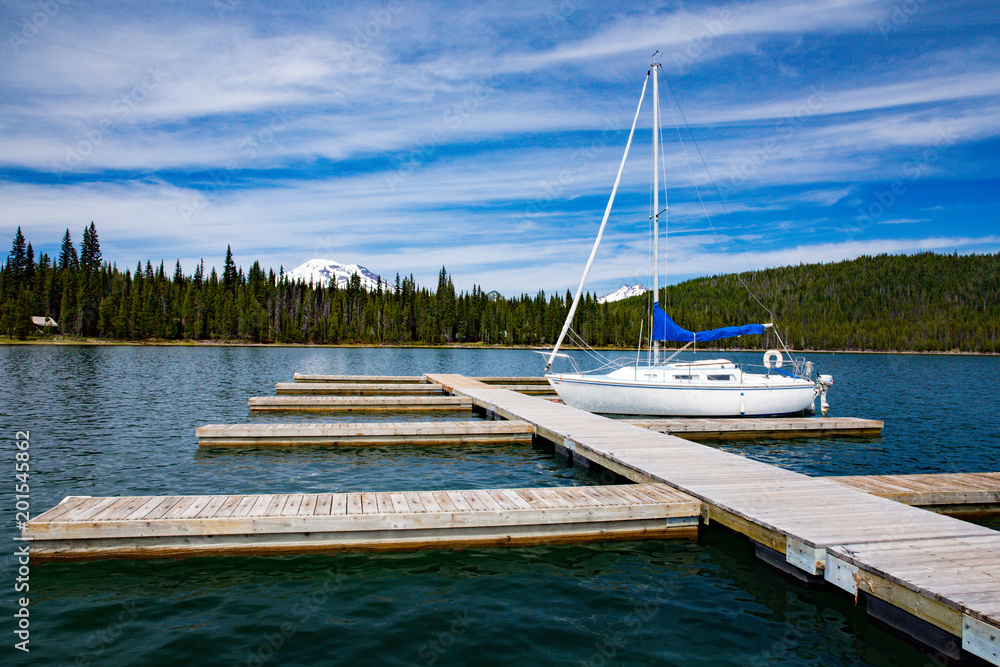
x=485 y=137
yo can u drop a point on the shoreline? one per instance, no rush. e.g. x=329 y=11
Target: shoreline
x=97 y=342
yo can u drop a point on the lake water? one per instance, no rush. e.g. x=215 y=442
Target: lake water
x=121 y=421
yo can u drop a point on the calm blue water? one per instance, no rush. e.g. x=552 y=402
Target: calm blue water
x=121 y=421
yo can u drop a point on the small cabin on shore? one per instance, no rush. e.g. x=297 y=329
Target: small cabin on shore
x=43 y=322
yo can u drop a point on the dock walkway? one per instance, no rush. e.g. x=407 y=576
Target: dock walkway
x=942 y=572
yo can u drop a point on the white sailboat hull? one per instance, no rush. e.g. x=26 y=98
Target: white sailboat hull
x=614 y=394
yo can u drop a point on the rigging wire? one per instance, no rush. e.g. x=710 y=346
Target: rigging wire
x=722 y=202
x=697 y=190
x=600 y=233
x=578 y=339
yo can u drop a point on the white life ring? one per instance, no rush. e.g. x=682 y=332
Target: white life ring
x=772 y=359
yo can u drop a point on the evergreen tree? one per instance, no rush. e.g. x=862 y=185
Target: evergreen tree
x=89 y=291
x=45 y=279
x=68 y=259
x=29 y=264
x=90 y=249
x=69 y=310
x=229 y=275
x=444 y=307
x=17 y=260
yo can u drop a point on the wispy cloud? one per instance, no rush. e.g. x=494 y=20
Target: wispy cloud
x=639 y=33
x=410 y=135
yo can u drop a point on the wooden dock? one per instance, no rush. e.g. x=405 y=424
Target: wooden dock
x=358 y=403
x=414 y=379
x=81 y=528
x=498 y=432
x=531 y=389
x=364 y=434
x=533 y=386
x=970 y=494
x=363 y=379
x=522 y=384
x=933 y=576
x=357 y=388
x=370 y=384
x=761 y=427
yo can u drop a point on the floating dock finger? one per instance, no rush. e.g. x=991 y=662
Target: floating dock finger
x=81 y=528
x=359 y=403
x=367 y=434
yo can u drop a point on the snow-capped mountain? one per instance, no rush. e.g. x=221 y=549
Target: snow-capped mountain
x=325 y=271
x=623 y=292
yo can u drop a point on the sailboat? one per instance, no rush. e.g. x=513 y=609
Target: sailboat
x=701 y=388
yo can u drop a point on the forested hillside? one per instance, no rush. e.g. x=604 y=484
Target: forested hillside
x=889 y=302
x=924 y=302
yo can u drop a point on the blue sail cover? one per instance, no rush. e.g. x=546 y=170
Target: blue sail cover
x=665 y=328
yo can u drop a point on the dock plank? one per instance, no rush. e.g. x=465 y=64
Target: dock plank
x=292 y=505
x=146 y=508
x=242 y=509
x=459 y=501
x=259 y=506
x=123 y=511
x=69 y=505
x=415 y=502
x=84 y=513
x=444 y=501
x=324 y=505
x=277 y=504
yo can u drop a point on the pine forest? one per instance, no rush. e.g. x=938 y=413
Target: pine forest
x=924 y=302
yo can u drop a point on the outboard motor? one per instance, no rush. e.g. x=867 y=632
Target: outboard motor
x=822 y=385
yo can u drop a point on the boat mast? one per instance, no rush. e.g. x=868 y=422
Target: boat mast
x=656 y=201
x=600 y=233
